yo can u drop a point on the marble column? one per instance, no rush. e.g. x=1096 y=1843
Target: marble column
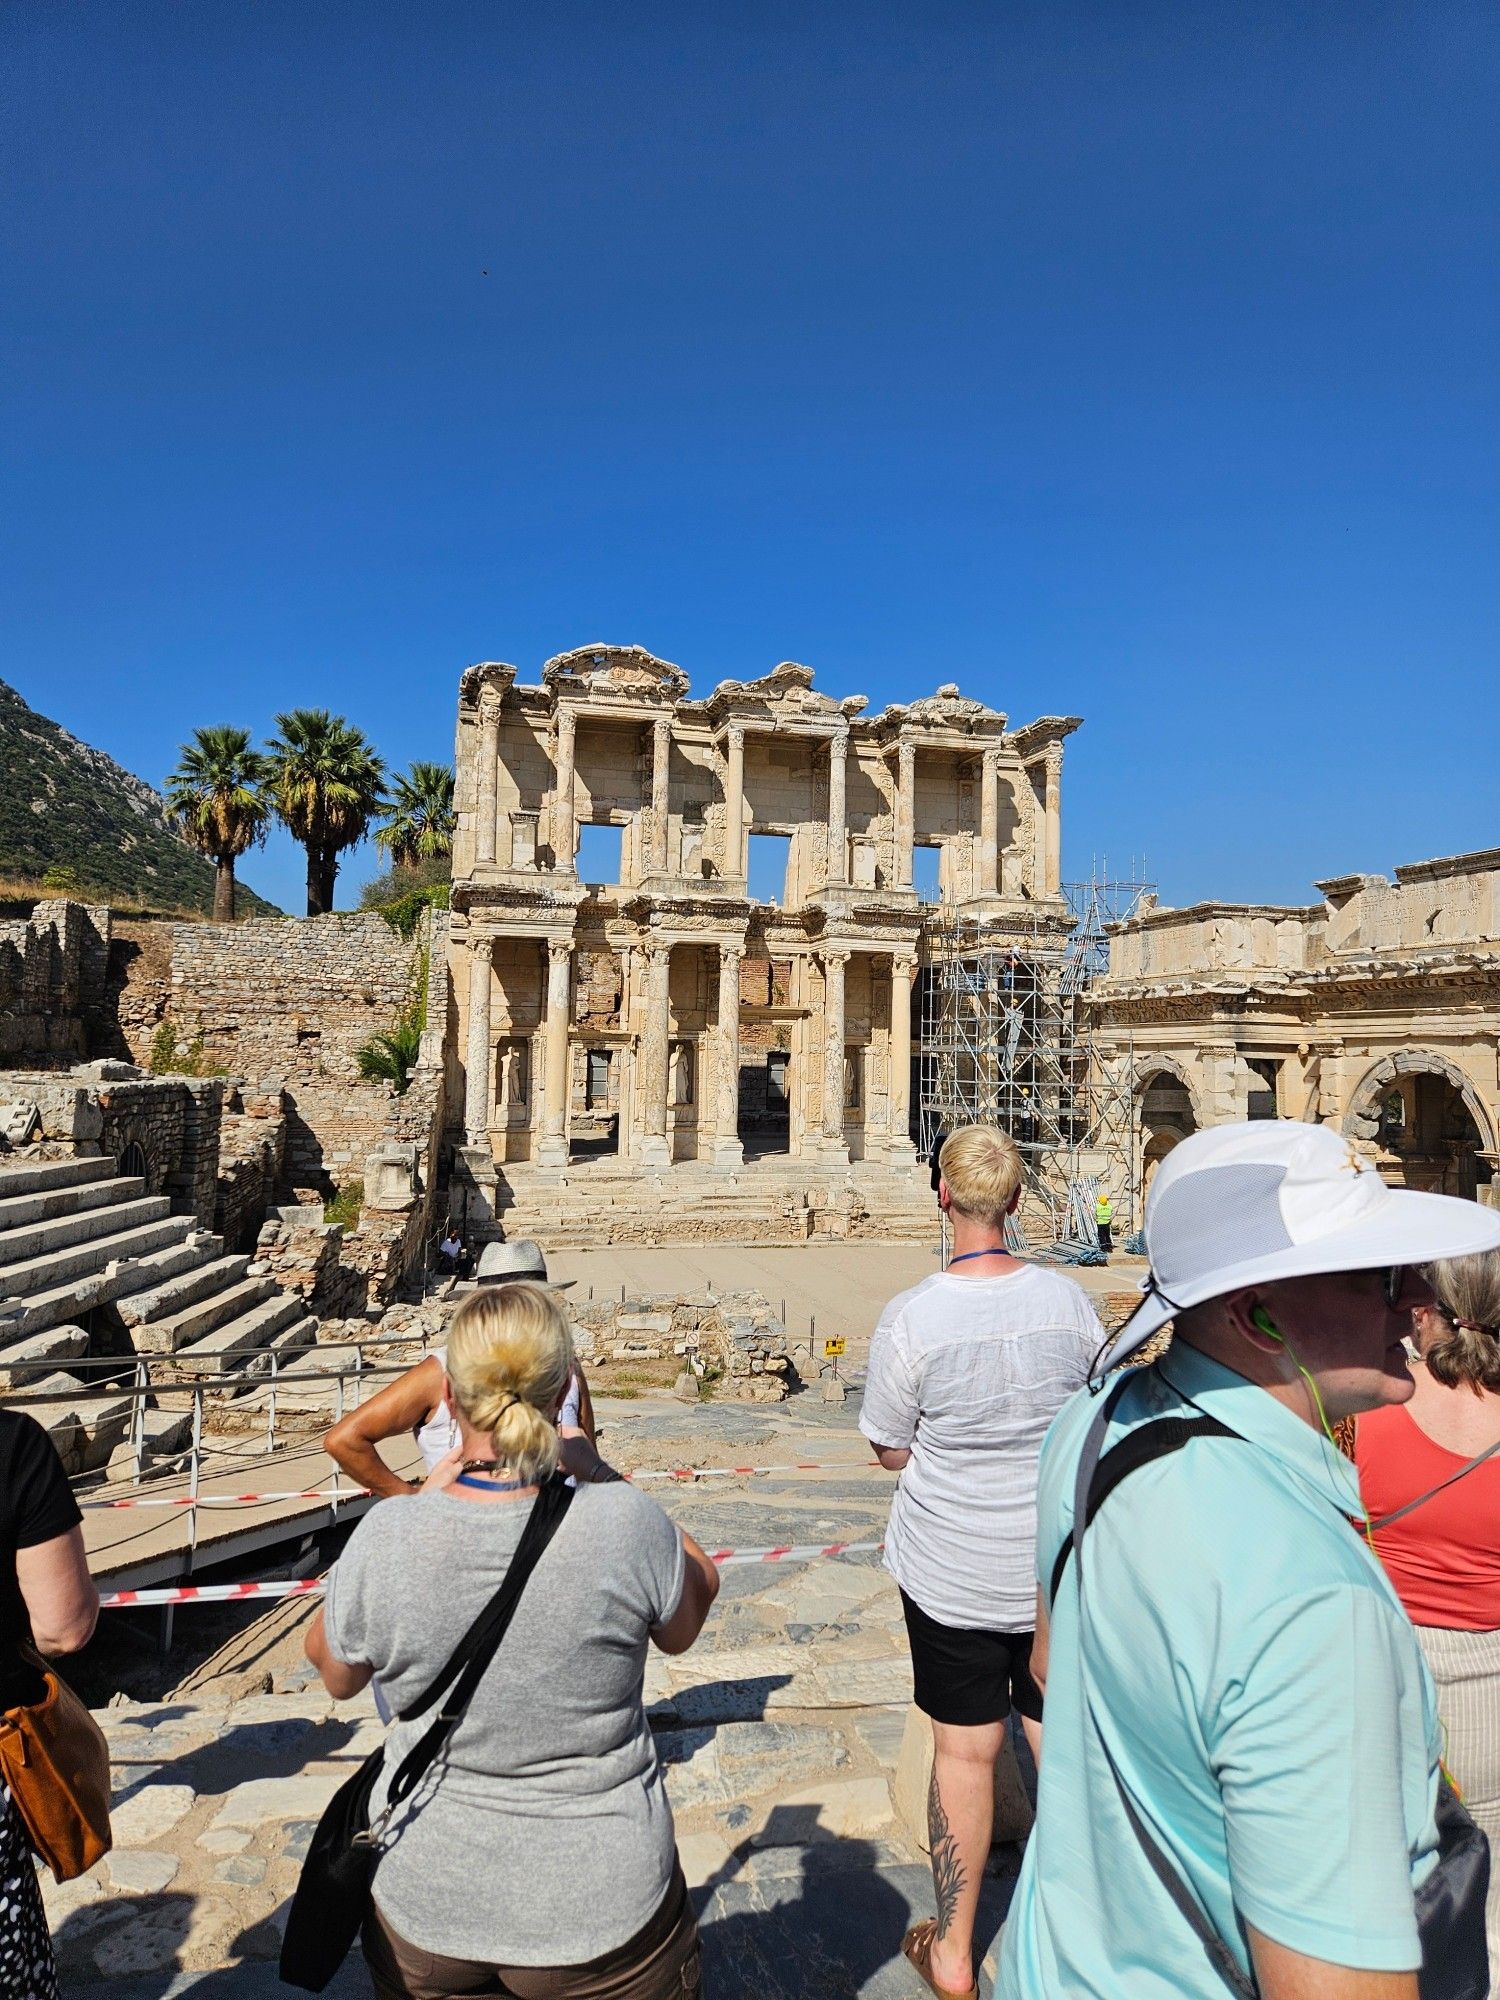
x=838 y=842
x=734 y=803
x=833 y=1149
x=553 y=1151
x=728 y=1151
x=989 y=823
x=655 y=1151
x=478 y=1052
x=564 y=839
x=1054 y=820
x=1036 y=778
x=661 y=753
x=899 y=1142
x=906 y=779
x=487 y=790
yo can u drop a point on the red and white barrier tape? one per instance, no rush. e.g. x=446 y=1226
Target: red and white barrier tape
x=683 y=1474
x=228 y=1593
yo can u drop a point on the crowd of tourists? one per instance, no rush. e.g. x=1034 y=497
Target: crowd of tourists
x=1241 y=1588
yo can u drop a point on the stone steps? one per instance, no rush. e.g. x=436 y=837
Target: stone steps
x=58 y=1277
x=181 y=1331
x=18 y=1211
x=45 y=1175
x=36 y=1243
x=234 y=1338
x=159 y=1302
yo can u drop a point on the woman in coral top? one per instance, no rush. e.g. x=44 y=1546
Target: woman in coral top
x=1441 y=1451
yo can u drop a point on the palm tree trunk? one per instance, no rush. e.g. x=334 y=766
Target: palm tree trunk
x=224 y=889
x=322 y=872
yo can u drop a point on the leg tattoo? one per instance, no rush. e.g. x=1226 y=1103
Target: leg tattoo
x=947 y=1869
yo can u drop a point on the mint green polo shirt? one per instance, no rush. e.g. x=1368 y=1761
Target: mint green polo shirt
x=1262 y=1693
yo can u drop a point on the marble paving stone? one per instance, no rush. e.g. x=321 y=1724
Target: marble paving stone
x=176 y=1932
x=259 y=1800
x=150 y=1813
x=140 y=1871
x=864 y=1683
x=245 y=1869
x=834 y=1809
x=224 y=1840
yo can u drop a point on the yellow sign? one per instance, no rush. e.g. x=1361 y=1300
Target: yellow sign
x=832 y=1347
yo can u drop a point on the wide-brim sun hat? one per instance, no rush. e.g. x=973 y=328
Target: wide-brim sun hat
x=513 y=1263
x=1242 y=1205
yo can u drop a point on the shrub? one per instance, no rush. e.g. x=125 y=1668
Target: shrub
x=391 y=1057
x=345 y=1204
x=170 y=1057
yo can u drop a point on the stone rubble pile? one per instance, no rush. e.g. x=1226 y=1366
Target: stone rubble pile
x=733 y=1339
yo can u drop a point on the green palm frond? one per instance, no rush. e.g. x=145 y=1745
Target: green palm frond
x=421 y=816
x=217 y=795
x=326 y=782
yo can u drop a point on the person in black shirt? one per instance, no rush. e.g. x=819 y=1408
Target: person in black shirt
x=47 y=1599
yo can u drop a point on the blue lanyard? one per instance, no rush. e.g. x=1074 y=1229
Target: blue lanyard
x=491 y=1485
x=967 y=1254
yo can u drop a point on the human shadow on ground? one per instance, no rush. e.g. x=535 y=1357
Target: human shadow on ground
x=796 y=1915
x=274 y=1749
x=131 y=1948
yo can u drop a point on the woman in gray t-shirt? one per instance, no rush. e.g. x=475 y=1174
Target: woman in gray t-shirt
x=540 y=1851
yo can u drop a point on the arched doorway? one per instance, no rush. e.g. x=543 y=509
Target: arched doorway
x=134 y=1165
x=1426 y=1123
x=1167 y=1117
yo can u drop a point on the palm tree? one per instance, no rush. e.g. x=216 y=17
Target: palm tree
x=218 y=798
x=421 y=822
x=326 y=784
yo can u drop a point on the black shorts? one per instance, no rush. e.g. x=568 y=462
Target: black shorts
x=969 y=1678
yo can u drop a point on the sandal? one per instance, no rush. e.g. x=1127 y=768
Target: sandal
x=916 y=1947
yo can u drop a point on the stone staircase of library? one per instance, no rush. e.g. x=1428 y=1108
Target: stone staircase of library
x=92 y=1264
x=596 y=1204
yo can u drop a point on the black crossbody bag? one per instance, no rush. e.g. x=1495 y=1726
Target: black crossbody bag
x=333 y=1890
x=1450 y=1902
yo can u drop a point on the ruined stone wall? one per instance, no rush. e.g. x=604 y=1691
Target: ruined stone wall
x=289 y=1003
x=733 y=1340
x=52 y=983
x=173 y=1121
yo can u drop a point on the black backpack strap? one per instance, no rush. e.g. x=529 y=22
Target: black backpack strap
x=1138 y=1448
x=470 y=1659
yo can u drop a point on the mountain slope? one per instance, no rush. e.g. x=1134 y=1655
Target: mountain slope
x=64 y=804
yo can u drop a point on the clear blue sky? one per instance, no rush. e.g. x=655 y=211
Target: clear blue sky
x=1136 y=360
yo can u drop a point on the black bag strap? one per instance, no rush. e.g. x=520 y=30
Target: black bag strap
x=1099 y=1472
x=470 y=1659
x=1138 y=1448
x=1441 y=1487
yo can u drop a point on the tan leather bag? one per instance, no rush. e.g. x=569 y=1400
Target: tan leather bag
x=55 y=1761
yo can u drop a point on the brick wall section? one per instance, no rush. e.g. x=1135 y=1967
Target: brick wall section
x=290 y=1002
x=52 y=983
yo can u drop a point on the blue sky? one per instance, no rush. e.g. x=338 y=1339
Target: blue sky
x=1130 y=360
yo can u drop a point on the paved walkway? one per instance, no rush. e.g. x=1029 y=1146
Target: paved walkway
x=779 y=1732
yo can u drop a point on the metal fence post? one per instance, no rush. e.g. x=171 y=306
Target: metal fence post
x=138 y=1420
x=271 y=1410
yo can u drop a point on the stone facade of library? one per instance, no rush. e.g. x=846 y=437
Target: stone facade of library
x=1375 y=1010
x=670 y=1017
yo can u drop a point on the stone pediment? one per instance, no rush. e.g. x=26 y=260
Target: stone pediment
x=946 y=709
x=498 y=675
x=627 y=672
x=785 y=692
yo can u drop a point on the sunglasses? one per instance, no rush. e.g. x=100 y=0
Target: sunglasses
x=1393 y=1283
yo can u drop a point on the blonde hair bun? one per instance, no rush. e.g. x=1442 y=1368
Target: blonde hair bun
x=510 y=1353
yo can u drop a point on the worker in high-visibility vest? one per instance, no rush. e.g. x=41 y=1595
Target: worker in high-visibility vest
x=1104 y=1216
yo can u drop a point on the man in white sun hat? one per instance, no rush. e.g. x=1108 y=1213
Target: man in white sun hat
x=1241 y=1788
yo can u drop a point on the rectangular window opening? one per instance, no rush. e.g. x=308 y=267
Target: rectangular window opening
x=599 y=850
x=770 y=857
x=596 y=1080
x=926 y=874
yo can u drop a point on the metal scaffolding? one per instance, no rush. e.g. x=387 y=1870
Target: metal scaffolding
x=1005 y=1039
